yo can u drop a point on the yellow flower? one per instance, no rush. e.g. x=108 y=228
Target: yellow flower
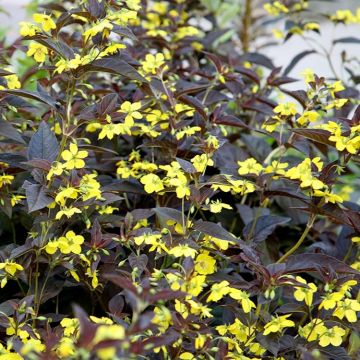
x=57 y=168
x=249 y=166
x=347 y=308
x=103 y=26
x=93 y=275
x=51 y=247
x=271 y=124
x=200 y=162
x=45 y=20
x=188 y=131
x=286 y=109
x=70 y=326
x=183 y=250
x=152 y=183
x=328 y=196
x=68 y=212
x=242 y=187
x=308 y=75
x=355 y=239
x=65 y=348
x=131 y=111
x=312 y=26
x=351 y=145
x=180 y=108
x=330 y=300
x=218 y=291
x=67 y=193
x=108 y=331
x=278 y=34
x=243 y=297
x=217 y=206
x=70 y=243
x=13 y=81
x=200 y=341
x=28 y=29
x=112 y=49
x=187 y=356
x=308 y=116
x=31 y=345
x=305 y=293
x=15 y=199
x=16 y=329
x=11 y=267
x=313 y=330
x=162 y=318
x=109 y=130
x=335 y=87
x=199 y=309
x=148 y=239
x=5 y=180
x=153 y=62
x=241 y=331
x=89 y=187
x=276 y=167
x=277 y=324
x=276 y=8
x=336 y=103
x=303 y=172
x=205 y=264
x=38 y=51
x=74 y=157
x=332 y=336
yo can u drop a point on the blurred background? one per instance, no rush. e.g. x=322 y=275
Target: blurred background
x=14 y=11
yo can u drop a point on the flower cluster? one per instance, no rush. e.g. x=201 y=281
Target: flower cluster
x=163 y=194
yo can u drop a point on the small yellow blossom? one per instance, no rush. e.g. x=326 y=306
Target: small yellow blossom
x=74 y=157
x=205 y=264
x=152 y=183
x=305 y=294
x=45 y=20
x=348 y=309
x=200 y=162
x=70 y=243
x=307 y=117
x=249 y=166
x=277 y=324
x=286 y=109
x=218 y=291
x=131 y=111
x=38 y=51
x=11 y=267
x=332 y=336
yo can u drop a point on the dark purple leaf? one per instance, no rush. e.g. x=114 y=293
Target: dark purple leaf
x=43 y=144
x=36 y=196
x=265 y=225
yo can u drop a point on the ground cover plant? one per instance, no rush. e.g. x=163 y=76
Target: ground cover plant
x=164 y=195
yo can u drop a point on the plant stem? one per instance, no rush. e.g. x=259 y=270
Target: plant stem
x=246 y=24
x=300 y=241
x=183 y=214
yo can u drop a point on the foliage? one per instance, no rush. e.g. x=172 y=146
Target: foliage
x=164 y=195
